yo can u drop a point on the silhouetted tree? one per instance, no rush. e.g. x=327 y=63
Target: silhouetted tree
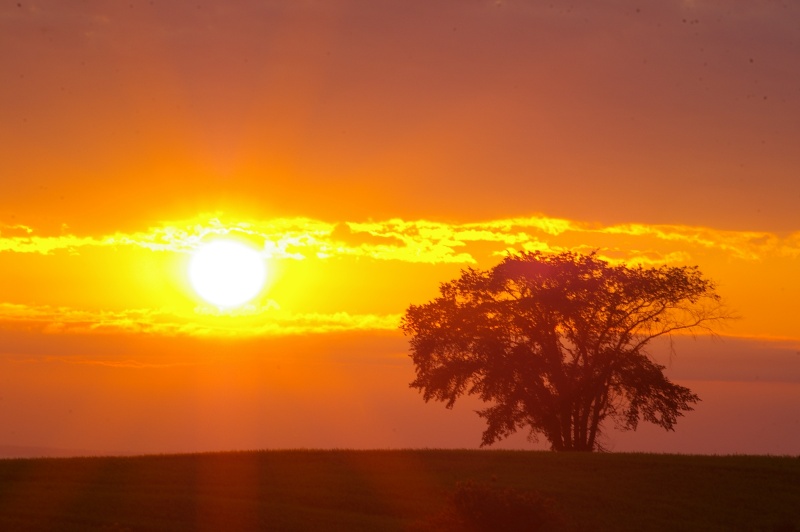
x=558 y=344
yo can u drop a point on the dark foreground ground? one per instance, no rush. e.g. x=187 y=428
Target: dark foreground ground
x=393 y=490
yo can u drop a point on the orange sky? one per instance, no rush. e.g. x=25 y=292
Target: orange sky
x=371 y=150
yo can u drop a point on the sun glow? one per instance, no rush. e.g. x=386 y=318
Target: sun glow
x=227 y=273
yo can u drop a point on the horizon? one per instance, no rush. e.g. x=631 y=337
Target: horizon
x=367 y=153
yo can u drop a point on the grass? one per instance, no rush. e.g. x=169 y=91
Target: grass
x=393 y=490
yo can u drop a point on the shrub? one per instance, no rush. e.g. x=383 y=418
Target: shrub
x=485 y=507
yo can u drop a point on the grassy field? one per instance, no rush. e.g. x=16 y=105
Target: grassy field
x=392 y=490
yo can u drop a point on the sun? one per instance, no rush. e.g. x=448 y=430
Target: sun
x=227 y=273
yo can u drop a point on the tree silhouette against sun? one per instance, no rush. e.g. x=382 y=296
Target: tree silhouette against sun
x=559 y=344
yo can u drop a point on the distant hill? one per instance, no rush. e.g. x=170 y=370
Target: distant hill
x=18 y=451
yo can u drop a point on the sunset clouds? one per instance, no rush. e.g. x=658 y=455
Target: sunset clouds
x=301 y=249
x=422 y=240
x=250 y=321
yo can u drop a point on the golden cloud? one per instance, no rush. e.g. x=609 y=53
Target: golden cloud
x=266 y=320
x=424 y=241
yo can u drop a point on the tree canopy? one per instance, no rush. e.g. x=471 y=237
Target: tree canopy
x=559 y=344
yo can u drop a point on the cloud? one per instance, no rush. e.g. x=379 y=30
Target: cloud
x=14 y=230
x=748 y=245
x=45 y=245
x=424 y=241
x=791 y=247
x=263 y=321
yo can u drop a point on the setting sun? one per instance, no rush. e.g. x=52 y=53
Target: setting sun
x=227 y=273
x=214 y=218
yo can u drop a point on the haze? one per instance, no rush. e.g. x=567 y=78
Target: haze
x=371 y=150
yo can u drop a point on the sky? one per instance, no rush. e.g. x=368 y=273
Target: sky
x=370 y=151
